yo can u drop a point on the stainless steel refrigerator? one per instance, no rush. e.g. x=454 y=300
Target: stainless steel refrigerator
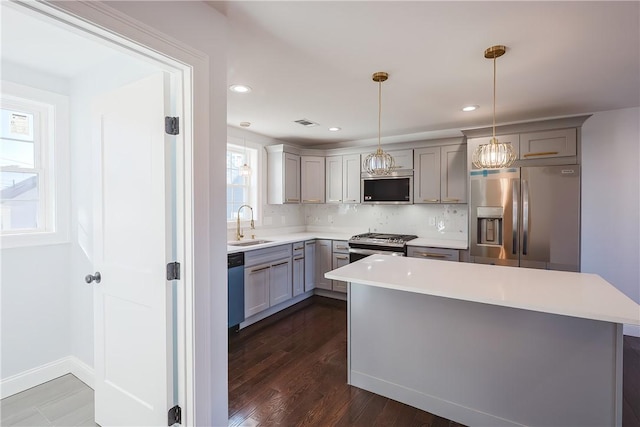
x=526 y=217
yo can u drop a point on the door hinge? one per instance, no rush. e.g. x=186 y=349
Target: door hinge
x=172 y=125
x=175 y=416
x=173 y=271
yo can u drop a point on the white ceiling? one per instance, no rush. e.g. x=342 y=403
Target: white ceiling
x=314 y=60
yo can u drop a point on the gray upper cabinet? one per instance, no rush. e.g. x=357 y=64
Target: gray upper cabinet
x=312 y=179
x=343 y=179
x=351 y=178
x=453 y=174
x=283 y=178
x=553 y=143
x=440 y=174
x=334 y=179
x=426 y=179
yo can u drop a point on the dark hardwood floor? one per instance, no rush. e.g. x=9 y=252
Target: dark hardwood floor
x=290 y=370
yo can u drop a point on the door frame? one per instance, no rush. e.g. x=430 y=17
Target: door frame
x=191 y=70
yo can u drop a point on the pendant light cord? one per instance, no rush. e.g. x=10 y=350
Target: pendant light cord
x=494 y=98
x=379 y=110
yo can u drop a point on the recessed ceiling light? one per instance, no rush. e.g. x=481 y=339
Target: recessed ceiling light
x=240 y=88
x=335 y=129
x=470 y=108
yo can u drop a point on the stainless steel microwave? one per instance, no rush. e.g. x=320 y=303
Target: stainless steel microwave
x=394 y=189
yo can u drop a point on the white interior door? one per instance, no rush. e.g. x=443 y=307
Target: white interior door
x=132 y=238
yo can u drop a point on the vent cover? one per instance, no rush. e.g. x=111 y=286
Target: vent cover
x=307 y=123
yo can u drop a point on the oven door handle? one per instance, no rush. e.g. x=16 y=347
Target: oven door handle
x=373 y=252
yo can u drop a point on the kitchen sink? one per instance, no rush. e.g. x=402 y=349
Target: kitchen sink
x=249 y=243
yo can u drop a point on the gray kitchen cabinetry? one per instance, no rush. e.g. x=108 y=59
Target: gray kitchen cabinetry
x=551 y=147
x=440 y=174
x=268 y=278
x=441 y=254
x=402 y=159
x=343 y=179
x=298 y=262
x=312 y=179
x=554 y=143
x=309 y=265
x=324 y=263
x=283 y=178
x=340 y=250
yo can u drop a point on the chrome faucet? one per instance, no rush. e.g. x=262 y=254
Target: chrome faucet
x=239 y=234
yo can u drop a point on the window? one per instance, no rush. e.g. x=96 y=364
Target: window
x=241 y=190
x=33 y=133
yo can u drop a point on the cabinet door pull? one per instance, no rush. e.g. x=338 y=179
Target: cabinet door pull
x=293 y=200
x=311 y=200
x=351 y=200
x=280 y=263
x=543 y=153
x=260 y=269
x=295 y=259
x=430 y=200
x=310 y=243
x=344 y=248
x=342 y=257
x=450 y=200
x=335 y=200
x=428 y=255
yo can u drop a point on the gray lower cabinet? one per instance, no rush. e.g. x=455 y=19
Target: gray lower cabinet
x=324 y=263
x=297 y=262
x=340 y=250
x=280 y=282
x=267 y=278
x=309 y=265
x=433 y=253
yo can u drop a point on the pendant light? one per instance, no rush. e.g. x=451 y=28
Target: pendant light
x=245 y=170
x=379 y=163
x=494 y=155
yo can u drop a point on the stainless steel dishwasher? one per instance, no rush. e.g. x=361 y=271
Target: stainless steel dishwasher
x=235 y=278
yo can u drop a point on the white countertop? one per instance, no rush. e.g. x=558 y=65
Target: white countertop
x=570 y=294
x=280 y=239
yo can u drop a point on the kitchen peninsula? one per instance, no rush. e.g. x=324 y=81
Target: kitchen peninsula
x=487 y=345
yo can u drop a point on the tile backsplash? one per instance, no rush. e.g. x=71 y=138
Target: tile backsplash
x=436 y=221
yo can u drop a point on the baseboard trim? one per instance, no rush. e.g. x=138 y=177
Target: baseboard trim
x=432 y=404
x=47 y=372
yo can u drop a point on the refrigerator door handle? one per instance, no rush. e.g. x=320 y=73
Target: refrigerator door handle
x=514 y=209
x=525 y=216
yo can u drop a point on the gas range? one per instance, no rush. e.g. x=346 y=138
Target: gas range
x=381 y=240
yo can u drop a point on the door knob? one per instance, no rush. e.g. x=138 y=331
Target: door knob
x=93 y=277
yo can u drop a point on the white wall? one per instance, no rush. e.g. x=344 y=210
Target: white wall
x=610 y=243
x=34 y=309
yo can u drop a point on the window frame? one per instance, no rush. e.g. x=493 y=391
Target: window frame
x=51 y=160
x=238 y=145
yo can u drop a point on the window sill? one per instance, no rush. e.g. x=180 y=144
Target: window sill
x=9 y=241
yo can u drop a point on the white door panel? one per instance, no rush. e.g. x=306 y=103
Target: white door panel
x=133 y=346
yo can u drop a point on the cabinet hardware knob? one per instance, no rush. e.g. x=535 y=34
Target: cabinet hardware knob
x=93 y=277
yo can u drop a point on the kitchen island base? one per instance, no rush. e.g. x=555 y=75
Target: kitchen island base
x=484 y=365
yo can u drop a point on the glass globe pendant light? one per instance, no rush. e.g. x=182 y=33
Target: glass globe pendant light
x=379 y=163
x=494 y=155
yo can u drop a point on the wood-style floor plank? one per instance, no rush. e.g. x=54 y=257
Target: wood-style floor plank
x=292 y=372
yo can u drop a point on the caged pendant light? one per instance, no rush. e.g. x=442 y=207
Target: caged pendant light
x=494 y=155
x=245 y=170
x=379 y=163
